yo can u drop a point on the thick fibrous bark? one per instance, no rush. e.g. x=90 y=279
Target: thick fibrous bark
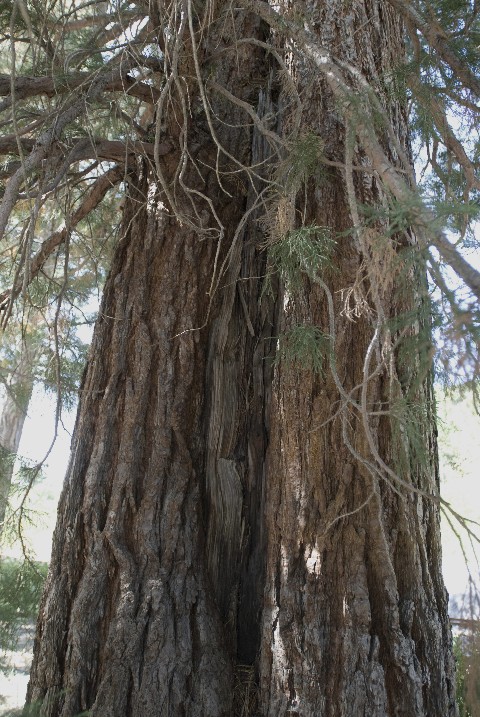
x=159 y=520
x=129 y=614
x=355 y=619
x=220 y=526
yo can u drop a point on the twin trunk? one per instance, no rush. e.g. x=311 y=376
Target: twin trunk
x=220 y=550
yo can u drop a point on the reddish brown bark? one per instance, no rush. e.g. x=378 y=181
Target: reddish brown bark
x=200 y=536
x=158 y=544
x=355 y=619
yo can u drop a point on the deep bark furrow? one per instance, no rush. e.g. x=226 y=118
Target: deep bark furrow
x=134 y=608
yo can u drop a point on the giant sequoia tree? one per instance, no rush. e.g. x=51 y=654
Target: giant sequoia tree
x=250 y=518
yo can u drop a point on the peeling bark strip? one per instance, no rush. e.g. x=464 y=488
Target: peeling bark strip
x=221 y=526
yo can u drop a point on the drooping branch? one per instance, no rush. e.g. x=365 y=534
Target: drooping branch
x=438 y=41
x=74 y=109
x=439 y=117
x=97 y=192
x=461 y=267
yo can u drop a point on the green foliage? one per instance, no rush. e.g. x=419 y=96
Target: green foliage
x=416 y=349
x=21 y=585
x=304 y=346
x=467 y=657
x=457 y=214
x=307 y=250
x=445 y=130
x=437 y=91
x=7 y=459
x=302 y=162
x=394 y=217
x=69 y=363
x=410 y=419
x=457 y=337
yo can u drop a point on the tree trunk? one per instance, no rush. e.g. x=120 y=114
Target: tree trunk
x=355 y=619
x=12 y=419
x=200 y=546
x=158 y=545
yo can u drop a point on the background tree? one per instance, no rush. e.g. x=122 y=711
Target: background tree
x=227 y=519
x=41 y=345
x=14 y=411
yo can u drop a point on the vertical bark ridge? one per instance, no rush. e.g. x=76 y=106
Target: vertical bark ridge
x=134 y=616
x=197 y=498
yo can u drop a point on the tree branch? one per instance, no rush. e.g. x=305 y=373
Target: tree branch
x=438 y=41
x=51 y=135
x=439 y=117
x=364 y=127
x=85 y=148
x=97 y=192
x=25 y=86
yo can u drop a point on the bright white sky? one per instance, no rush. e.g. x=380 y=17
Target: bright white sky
x=37 y=435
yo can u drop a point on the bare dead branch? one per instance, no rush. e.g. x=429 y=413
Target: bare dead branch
x=84 y=148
